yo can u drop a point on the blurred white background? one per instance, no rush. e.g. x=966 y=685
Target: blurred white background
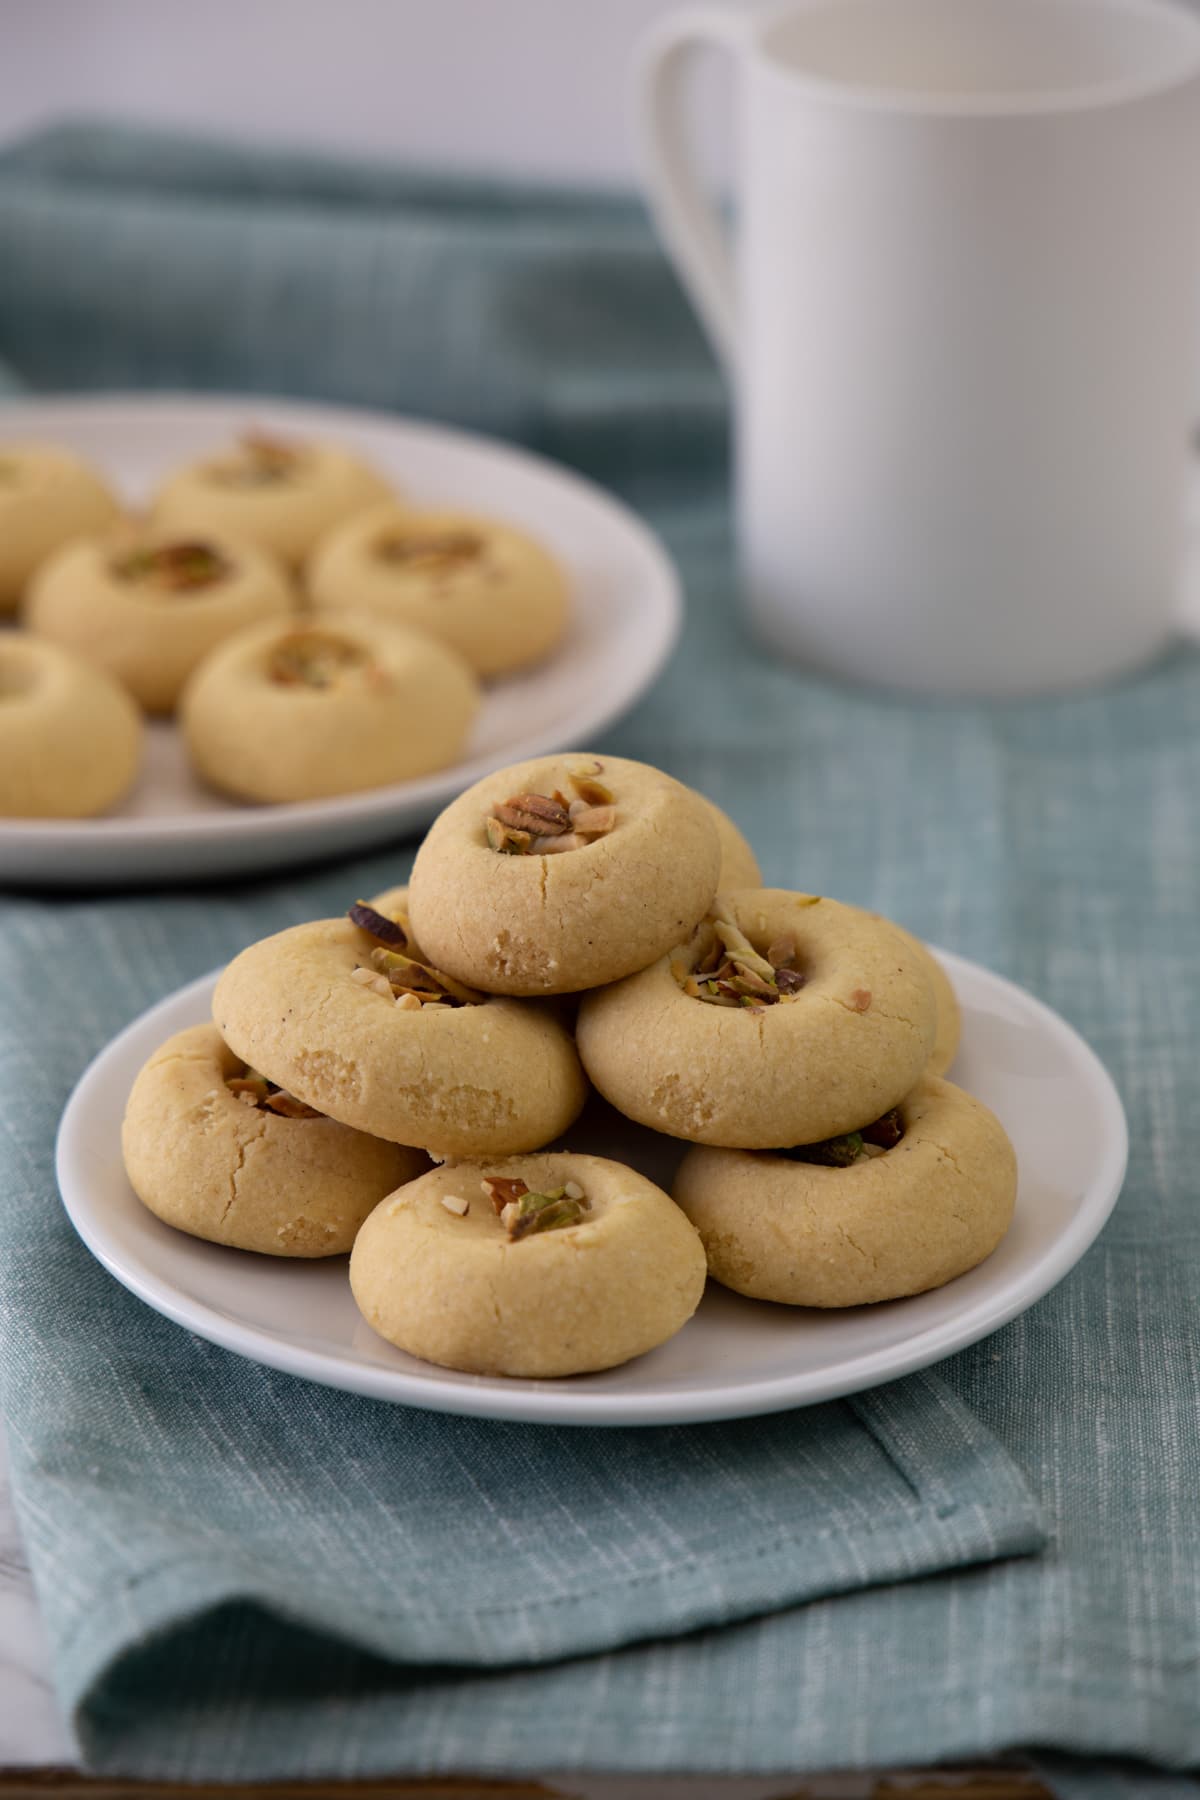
x=524 y=87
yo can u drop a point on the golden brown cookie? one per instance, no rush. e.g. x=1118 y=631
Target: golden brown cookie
x=563 y=873
x=784 y=1019
x=888 y=1222
x=47 y=496
x=491 y=592
x=70 y=738
x=220 y=1153
x=148 y=605
x=321 y=706
x=355 y=1022
x=590 y=1265
x=274 y=491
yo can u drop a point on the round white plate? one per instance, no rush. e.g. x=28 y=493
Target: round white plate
x=736 y=1356
x=626 y=613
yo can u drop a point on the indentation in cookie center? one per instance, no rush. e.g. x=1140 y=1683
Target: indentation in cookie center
x=178 y=568
x=725 y=967
x=524 y=1212
x=315 y=659
x=254 y=1090
x=429 y=552
x=260 y=462
x=868 y=1142
x=534 y=824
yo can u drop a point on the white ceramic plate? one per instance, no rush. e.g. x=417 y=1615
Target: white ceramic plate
x=625 y=619
x=735 y=1357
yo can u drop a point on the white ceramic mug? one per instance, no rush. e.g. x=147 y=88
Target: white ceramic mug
x=960 y=326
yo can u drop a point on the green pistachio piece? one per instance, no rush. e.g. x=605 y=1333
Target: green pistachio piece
x=506 y=839
x=543 y=1212
x=833 y=1153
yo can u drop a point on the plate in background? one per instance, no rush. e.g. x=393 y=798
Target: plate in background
x=735 y=1357
x=626 y=613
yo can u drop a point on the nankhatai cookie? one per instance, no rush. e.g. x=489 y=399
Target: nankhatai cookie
x=148 y=605
x=216 y=1150
x=277 y=492
x=491 y=592
x=739 y=865
x=560 y=874
x=355 y=1020
x=325 y=705
x=783 y=1019
x=46 y=497
x=70 y=737
x=918 y=1197
x=535 y=1266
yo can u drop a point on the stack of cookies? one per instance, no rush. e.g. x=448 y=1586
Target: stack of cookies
x=386 y=1082
x=314 y=633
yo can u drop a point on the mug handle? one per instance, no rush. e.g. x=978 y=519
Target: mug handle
x=687 y=221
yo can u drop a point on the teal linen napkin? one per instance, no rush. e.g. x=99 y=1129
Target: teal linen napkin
x=189 y=1515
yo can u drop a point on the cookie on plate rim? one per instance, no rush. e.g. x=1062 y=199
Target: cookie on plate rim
x=213 y=1152
x=147 y=605
x=314 y=707
x=901 y=1221
x=462 y=1279
x=485 y=587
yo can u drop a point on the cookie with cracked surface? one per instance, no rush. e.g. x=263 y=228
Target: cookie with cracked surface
x=147 y=605
x=304 y=710
x=281 y=493
x=490 y=591
x=783 y=1019
x=215 y=1150
x=533 y=1266
x=560 y=874
x=862 y=1227
x=354 y=1020
x=47 y=496
x=70 y=738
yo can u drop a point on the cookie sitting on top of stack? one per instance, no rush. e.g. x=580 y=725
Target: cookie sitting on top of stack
x=794 y=1043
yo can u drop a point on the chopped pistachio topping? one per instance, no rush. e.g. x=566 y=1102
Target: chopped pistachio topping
x=523 y=1212
x=501 y=1189
x=314 y=659
x=392 y=933
x=181 y=568
x=549 y=824
x=429 y=552
x=853 y=1146
x=411 y=984
x=253 y=1089
x=538 y=814
x=455 y=1203
x=260 y=461
x=731 y=972
x=507 y=839
x=885 y=1132
x=583 y=779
